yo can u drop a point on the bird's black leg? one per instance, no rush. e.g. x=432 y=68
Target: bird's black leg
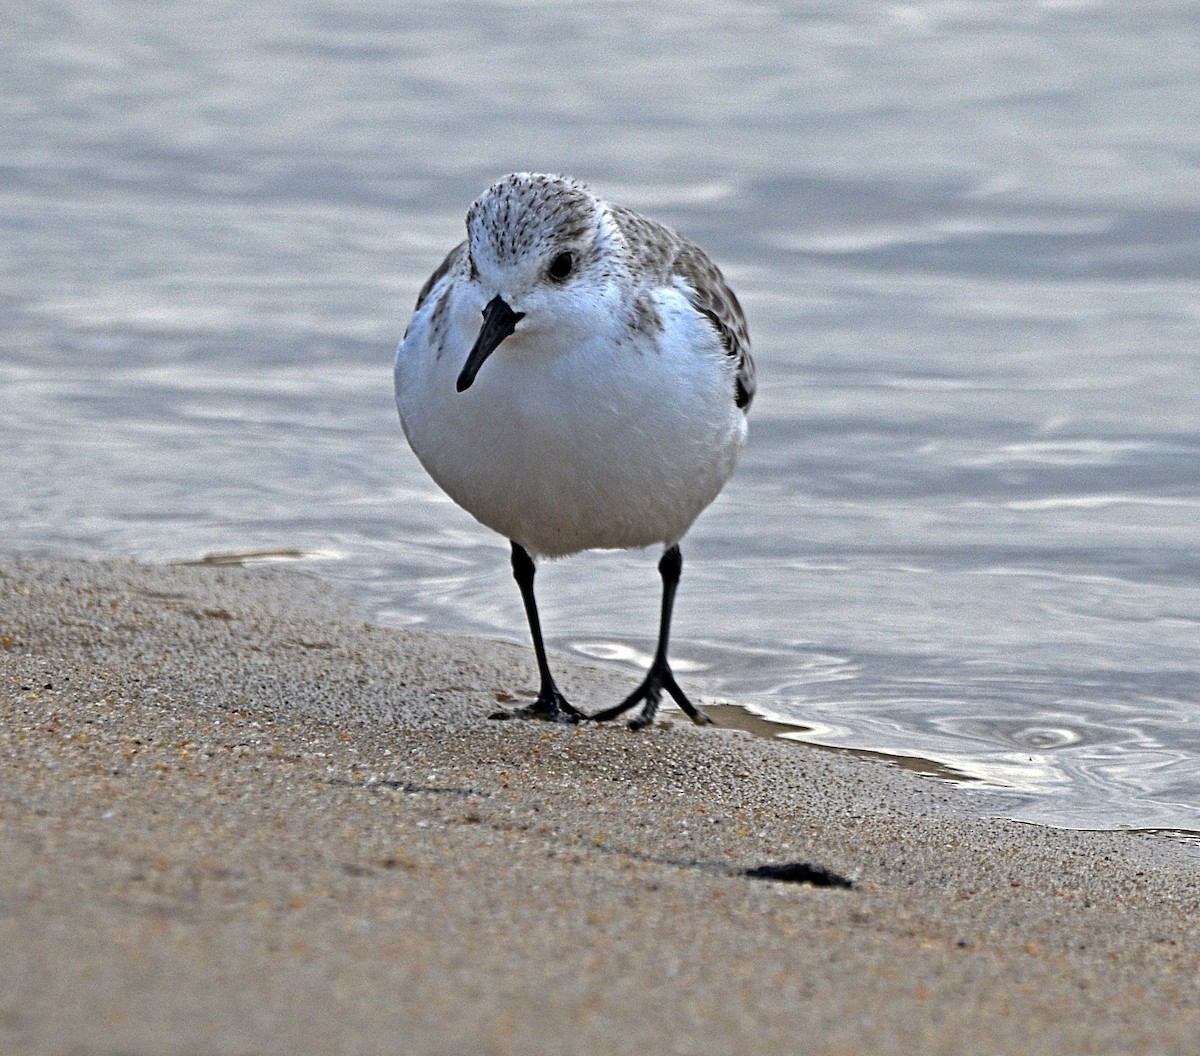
x=550 y=704
x=659 y=676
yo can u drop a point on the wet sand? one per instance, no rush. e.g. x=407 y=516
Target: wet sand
x=237 y=818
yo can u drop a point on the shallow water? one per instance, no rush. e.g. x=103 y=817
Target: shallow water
x=967 y=237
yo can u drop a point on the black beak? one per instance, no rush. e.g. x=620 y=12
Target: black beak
x=499 y=320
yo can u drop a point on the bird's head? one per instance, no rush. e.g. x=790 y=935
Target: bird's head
x=537 y=255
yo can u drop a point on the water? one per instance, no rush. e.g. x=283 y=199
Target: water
x=967 y=236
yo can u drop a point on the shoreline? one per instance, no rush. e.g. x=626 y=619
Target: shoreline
x=237 y=817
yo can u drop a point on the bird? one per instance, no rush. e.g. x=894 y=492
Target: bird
x=577 y=377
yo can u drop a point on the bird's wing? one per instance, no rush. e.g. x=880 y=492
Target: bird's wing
x=711 y=296
x=452 y=258
x=674 y=259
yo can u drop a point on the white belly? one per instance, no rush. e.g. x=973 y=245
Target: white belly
x=600 y=447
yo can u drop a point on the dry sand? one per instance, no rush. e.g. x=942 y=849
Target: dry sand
x=236 y=818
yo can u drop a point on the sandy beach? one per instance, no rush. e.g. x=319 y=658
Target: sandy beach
x=237 y=818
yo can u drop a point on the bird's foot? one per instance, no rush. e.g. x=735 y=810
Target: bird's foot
x=550 y=706
x=648 y=694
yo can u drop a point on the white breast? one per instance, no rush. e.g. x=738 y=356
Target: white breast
x=620 y=441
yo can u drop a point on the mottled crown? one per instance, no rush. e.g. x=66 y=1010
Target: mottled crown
x=526 y=212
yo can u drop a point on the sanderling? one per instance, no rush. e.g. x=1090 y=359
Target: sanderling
x=600 y=405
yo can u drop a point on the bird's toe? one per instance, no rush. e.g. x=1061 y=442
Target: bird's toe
x=549 y=707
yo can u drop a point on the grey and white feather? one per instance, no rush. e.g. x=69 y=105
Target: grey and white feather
x=601 y=403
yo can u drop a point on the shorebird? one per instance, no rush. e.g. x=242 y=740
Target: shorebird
x=600 y=404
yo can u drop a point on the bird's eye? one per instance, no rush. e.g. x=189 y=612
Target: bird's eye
x=561 y=267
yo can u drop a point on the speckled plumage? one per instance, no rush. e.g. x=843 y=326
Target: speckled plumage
x=668 y=256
